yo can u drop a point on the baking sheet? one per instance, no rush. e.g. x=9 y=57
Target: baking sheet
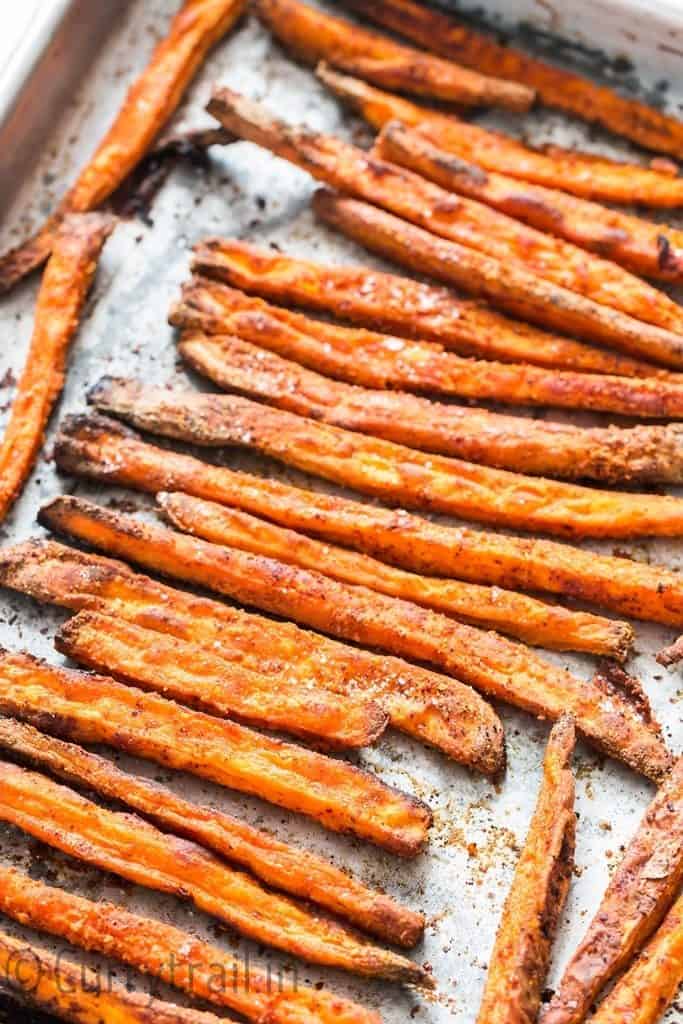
x=462 y=879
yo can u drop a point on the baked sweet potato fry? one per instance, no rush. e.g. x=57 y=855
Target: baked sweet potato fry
x=94 y=709
x=646 y=990
x=63 y=291
x=581 y=174
x=173 y=956
x=541 y=447
x=313 y=35
x=672 y=654
x=278 y=864
x=637 y=898
x=421 y=703
x=521 y=953
x=149 y=104
x=408 y=307
x=401 y=476
x=137 y=851
x=643 y=247
x=73 y=992
x=497 y=666
x=103 y=450
x=191 y=675
x=556 y=87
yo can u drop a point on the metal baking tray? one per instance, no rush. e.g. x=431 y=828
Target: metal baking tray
x=73 y=79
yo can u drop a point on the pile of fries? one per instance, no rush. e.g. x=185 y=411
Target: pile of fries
x=361 y=615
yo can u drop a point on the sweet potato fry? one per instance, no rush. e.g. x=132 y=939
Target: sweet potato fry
x=641 y=246
x=67 y=280
x=189 y=674
x=521 y=953
x=409 y=307
x=312 y=35
x=556 y=87
x=401 y=476
x=94 y=709
x=637 y=897
x=279 y=865
x=613 y=454
x=495 y=665
x=171 y=955
x=149 y=104
x=672 y=654
x=103 y=450
x=431 y=707
x=137 y=851
x=581 y=174
x=642 y=995
x=73 y=992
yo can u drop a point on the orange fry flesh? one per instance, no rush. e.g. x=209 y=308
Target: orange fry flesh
x=497 y=666
x=312 y=35
x=63 y=291
x=580 y=174
x=189 y=674
x=639 y=894
x=408 y=307
x=521 y=953
x=103 y=450
x=170 y=954
x=278 y=864
x=556 y=87
x=94 y=709
x=149 y=104
x=131 y=848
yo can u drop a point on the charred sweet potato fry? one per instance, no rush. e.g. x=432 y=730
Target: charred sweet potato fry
x=541 y=447
x=171 y=955
x=313 y=35
x=637 y=897
x=409 y=307
x=521 y=953
x=191 y=675
x=149 y=104
x=581 y=174
x=279 y=865
x=421 y=703
x=94 y=709
x=495 y=665
x=103 y=450
x=556 y=87
x=63 y=291
x=401 y=476
x=72 y=992
x=137 y=851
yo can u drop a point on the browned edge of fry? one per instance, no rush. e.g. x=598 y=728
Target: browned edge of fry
x=672 y=654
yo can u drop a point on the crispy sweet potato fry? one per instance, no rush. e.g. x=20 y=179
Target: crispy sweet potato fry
x=409 y=307
x=312 y=35
x=421 y=703
x=94 y=709
x=103 y=450
x=189 y=674
x=497 y=666
x=170 y=954
x=73 y=992
x=133 y=849
x=581 y=174
x=672 y=654
x=556 y=87
x=612 y=454
x=637 y=897
x=69 y=274
x=401 y=476
x=279 y=865
x=149 y=104
x=521 y=953
x=641 y=246
x=642 y=995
